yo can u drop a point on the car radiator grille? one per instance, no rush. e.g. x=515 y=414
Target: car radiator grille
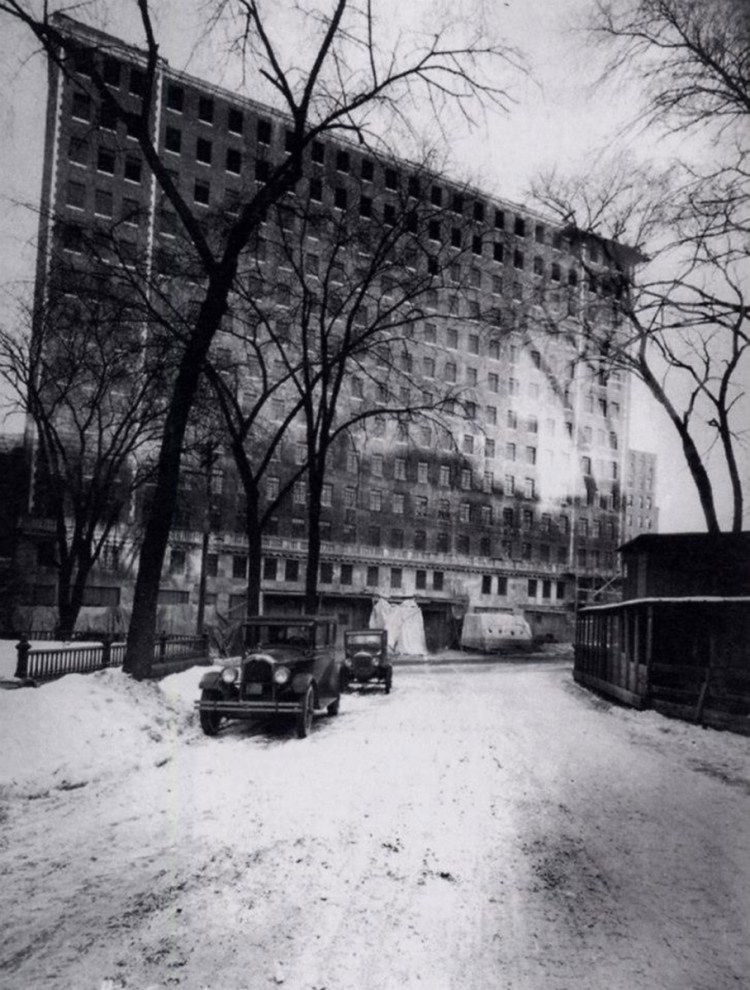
x=363 y=665
x=257 y=672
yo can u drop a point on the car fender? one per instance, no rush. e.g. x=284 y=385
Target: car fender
x=301 y=682
x=212 y=681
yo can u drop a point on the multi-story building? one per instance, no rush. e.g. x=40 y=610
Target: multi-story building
x=513 y=502
x=639 y=509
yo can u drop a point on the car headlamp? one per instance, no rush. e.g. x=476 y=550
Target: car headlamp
x=281 y=675
x=229 y=675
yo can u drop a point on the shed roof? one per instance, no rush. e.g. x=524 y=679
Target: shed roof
x=699 y=543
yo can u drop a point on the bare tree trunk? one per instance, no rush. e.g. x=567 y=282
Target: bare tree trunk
x=313 y=563
x=692 y=455
x=254 y=559
x=315 y=488
x=142 y=632
x=67 y=615
x=734 y=472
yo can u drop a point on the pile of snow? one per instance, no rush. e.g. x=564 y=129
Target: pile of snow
x=86 y=726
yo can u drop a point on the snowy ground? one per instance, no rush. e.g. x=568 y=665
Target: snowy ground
x=481 y=827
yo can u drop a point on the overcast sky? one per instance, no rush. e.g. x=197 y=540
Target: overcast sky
x=561 y=114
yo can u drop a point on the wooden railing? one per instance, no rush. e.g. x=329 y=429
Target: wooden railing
x=171 y=653
x=688 y=657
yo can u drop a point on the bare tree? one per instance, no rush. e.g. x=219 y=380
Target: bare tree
x=330 y=343
x=349 y=73
x=95 y=421
x=682 y=326
x=692 y=56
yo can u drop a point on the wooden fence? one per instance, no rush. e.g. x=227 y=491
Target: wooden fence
x=171 y=654
x=688 y=657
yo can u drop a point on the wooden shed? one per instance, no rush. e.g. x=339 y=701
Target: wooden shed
x=680 y=641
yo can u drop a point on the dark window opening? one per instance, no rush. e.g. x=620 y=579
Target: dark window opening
x=264 y=131
x=234 y=161
x=203 y=151
x=137 y=82
x=133 y=169
x=175 y=98
x=235 y=121
x=291 y=570
x=206 y=109
x=173 y=140
x=111 y=72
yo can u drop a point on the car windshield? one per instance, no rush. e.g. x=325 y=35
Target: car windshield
x=280 y=635
x=370 y=640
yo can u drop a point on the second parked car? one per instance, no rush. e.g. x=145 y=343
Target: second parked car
x=366 y=658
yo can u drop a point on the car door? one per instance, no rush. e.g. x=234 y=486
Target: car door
x=326 y=666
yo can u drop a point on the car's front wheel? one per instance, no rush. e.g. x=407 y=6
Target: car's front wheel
x=305 y=714
x=210 y=721
x=388 y=680
x=333 y=708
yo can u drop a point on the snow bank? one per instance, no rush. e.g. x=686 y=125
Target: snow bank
x=86 y=726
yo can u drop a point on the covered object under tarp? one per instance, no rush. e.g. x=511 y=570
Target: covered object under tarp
x=403 y=622
x=491 y=632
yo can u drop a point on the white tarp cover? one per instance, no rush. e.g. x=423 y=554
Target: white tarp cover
x=490 y=631
x=404 y=624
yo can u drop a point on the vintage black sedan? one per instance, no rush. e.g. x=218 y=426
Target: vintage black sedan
x=289 y=667
x=366 y=658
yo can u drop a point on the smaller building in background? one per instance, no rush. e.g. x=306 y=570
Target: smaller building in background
x=679 y=641
x=640 y=514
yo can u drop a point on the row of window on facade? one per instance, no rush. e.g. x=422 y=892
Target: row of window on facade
x=643 y=523
x=76 y=198
x=106 y=157
x=202 y=196
x=346 y=574
x=203 y=109
x=513 y=518
x=378 y=498
x=508 y=549
x=642 y=501
x=289 y=571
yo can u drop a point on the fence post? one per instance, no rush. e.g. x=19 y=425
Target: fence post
x=204 y=645
x=162 y=645
x=22 y=663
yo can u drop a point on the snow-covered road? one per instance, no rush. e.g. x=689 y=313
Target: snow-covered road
x=481 y=827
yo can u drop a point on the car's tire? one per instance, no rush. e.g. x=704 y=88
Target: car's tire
x=388 y=680
x=333 y=708
x=210 y=721
x=305 y=714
